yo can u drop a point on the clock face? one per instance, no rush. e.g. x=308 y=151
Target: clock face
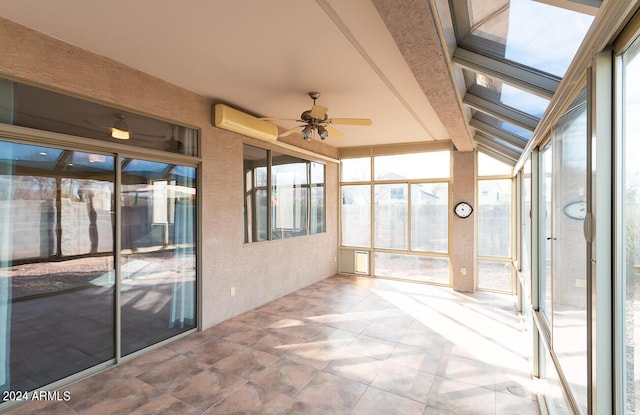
x=576 y=210
x=463 y=210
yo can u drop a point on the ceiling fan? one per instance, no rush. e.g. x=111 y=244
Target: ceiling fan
x=316 y=121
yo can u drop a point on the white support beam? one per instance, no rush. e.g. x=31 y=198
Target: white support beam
x=501 y=112
x=498 y=133
x=503 y=153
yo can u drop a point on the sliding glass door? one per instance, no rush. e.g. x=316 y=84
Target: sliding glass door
x=56 y=263
x=158 y=259
x=61 y=279
x=563 y=250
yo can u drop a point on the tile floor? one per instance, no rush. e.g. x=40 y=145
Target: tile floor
x=346 y=345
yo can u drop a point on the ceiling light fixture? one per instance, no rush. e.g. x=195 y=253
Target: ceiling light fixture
x=120 y=129
x=322 y=132
x=307 y=132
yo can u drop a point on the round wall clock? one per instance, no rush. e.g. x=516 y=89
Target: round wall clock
x=576 y=210
x=463 y=210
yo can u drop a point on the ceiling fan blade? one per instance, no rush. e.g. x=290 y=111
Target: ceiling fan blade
x=319 y=112
x=333 y=133
x=350 y=121
x=293 y=130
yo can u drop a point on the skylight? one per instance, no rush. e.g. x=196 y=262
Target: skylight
x=513 y=55
x=493 y=89
x=527 y=32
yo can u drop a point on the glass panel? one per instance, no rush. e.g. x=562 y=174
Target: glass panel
x=546 y=187
x=158 y=255
x=489 y=166
x=255 y=194
x=356 y=215
x=429 y=165
x=512 y=128
x=390 y=216
x=518 y=30
x=317 y=223
x=51 y=111
x=494 y=275
x=630 y=251
x=430 y=217
x=355 y=170
x=552 y=385
x=495 y=90
x=289 y=186
x=526 y=228
x=412 y=267
x=494 y=217
x=570 y=251
x=56 y=264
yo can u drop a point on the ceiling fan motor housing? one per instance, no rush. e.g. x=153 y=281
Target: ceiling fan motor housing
x=306 y=117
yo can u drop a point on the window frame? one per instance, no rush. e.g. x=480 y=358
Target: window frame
x=250 y=223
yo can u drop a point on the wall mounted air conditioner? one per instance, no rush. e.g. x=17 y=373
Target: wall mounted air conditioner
x=239 y=122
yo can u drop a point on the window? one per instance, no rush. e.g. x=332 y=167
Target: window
x=427 y=165
x=356 y=215
x=256 y=222
x=284 y=196
x=494 y=224
x=391 y=208
x=289 y=196
x=317 y=223
x=430 y=217
x=409 y=200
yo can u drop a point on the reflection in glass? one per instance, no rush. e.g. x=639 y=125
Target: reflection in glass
x=158 y=253
x=391 y=209
x=289 y=186
x=412 y=267
x=256 y=226
x=356 y=215
x=32 y=108
x=428 y=165
x=56 y=263
x=317 y=222
x=430 y=217
x=630 y=239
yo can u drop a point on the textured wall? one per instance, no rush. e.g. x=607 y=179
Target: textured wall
x=411 y=23
x=260 y=272
x=463 y=230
